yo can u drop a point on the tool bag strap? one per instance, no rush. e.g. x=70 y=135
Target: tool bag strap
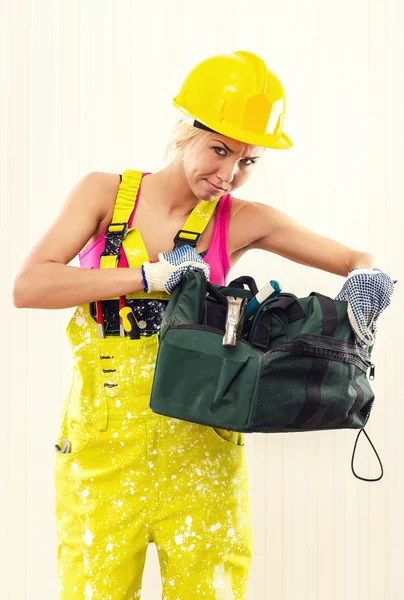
x=237 y=284
x=353 y=458
x=245 y=279
x=286 y=304
x=293 y=312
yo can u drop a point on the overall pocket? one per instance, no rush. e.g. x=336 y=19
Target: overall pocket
x=79 y=424
x=312 y=382
x=233 y=438
x=79 y=437
x=142 y=355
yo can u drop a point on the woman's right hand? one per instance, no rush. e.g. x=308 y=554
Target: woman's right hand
x=167 y=272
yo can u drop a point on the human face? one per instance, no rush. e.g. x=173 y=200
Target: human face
x=222 y=162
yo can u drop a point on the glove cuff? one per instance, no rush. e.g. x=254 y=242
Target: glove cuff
x=152 y=278
x=363 y=271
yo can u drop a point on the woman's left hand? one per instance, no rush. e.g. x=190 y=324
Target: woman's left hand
x=368 y=293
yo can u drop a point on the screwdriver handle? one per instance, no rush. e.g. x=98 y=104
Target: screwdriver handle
x=129 y=322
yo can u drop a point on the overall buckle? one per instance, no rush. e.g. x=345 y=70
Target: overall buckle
x=114 y=239
x=178 y=241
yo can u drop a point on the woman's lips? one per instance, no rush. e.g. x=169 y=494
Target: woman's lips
x=213 y=187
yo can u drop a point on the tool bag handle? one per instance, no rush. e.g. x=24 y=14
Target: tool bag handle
x=236 y=283
x=293 y=311
x=214 y=309
x=245 y=279
x=286 y=304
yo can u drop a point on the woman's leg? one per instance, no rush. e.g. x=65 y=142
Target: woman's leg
x=102 y=511
x=202 y=523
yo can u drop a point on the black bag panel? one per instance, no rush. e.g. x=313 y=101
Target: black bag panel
x=215 y=314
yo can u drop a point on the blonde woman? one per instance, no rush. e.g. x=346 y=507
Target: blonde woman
x=124 y=475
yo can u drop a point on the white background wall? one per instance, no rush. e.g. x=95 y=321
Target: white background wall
x=87 y=86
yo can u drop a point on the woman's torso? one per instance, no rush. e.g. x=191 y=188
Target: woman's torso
x=220 y=240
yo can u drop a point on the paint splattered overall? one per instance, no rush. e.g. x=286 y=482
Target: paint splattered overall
x=134 y=477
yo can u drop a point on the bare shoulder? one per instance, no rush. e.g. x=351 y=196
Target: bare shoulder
x=101 y=190
x=108 y=184
x=78 y=220
x=249 y=222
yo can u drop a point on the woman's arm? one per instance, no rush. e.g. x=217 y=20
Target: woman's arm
x=275 y=231
x=46 y=281
x=54 y=285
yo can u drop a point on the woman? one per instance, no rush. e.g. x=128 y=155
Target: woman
x=124 y=475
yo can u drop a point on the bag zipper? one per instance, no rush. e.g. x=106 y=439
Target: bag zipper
x=314 y=341
x=313 y=345
x=309 y=345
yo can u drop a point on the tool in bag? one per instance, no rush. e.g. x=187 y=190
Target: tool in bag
x=234 y=319
x=270 y=290
x=294 y=367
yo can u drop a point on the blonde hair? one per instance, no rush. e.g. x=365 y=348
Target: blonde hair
x=185 y=136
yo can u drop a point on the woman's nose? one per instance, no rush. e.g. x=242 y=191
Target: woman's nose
x=226 y=175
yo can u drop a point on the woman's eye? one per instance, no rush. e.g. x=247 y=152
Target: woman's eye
x=219 y=148
x=252 y=162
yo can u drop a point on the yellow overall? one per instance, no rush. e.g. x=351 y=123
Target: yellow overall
x=134 y=477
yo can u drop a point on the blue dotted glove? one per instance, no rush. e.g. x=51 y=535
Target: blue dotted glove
x=368 y=293
x=167 y=272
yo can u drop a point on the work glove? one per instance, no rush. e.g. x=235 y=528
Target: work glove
x=167 y=272
x=368 y=292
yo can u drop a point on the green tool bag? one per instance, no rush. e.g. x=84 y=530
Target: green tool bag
x=295 y=367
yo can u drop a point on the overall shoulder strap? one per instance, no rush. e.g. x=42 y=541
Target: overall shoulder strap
x=117 y=229
x=196 y=223
x=124 y=205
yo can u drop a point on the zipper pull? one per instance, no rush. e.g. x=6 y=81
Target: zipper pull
x=372 y=372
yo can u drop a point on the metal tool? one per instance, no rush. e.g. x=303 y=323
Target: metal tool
x=66 y=446
x=122 y=304
x=243 y=316
x=270 y=290
x=100 y=318
x=232 y=320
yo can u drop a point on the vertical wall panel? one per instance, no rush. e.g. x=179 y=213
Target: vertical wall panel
x=87 y=86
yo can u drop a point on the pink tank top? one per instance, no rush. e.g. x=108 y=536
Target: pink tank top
x=217 y=255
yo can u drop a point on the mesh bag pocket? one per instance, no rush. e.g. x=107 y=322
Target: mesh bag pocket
x=304 y=387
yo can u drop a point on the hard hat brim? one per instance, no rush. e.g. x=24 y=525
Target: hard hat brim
x=281 y=142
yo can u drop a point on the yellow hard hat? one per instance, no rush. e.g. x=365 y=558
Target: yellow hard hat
x=238 y=96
